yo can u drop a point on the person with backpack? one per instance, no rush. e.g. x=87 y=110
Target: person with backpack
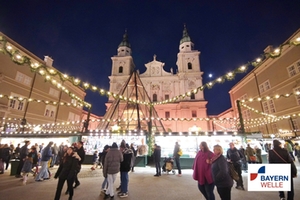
x=234 y=156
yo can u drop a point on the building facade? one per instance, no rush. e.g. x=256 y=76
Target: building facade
x=32 y=95
x=269 y=94
x=162 y=85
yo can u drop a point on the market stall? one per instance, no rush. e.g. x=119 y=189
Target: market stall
x=190 y=145
x=97 y=142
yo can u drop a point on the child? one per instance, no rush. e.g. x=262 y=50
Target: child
x=27 y=167
x=95 y=160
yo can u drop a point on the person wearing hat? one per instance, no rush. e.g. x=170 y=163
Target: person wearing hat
x=280 y=155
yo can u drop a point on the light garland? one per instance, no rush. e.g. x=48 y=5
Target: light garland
x=17 y=58
x=231 y=75
x=50 y=73
x=39 y=101
x=266 y=98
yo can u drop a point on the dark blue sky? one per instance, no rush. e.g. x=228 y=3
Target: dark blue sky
x=82 y=36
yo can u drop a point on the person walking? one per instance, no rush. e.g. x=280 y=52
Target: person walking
x=23 y=153
x=176 y=157
x=289 y=147
x=157 y=157
x=258 y=154
x=202 y=171
x=220 y=174
x=280 y=155
x=297 y=151
x=30 y=159
x=103 y=155
x=111 y=167
x=17 y=151
x=46 y=155
x=250 y=154
x=95 y=161
x=55 y=150
x=133 y=156
x=125 y=167
x=80 y=151
x=234 y=156
x=5 y=156
x=1 y=159
x=244 y=165
x=66 y=172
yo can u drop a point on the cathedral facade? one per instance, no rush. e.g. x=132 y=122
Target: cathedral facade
x=181 y=115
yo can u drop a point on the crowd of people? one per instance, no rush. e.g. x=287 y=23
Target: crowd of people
x=210 y=169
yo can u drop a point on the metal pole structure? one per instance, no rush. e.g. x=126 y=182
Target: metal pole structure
x=137 y=105
x=293 y=126
x=242 y=128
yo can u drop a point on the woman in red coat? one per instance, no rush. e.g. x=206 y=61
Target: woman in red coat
x=202 y=171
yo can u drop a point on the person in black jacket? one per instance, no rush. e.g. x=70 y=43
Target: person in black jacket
x=67 y=172
x=156 y=157
x=280 y=155
x=125 y=167
x=80 y=151
x=23 y=153
x=234 y=156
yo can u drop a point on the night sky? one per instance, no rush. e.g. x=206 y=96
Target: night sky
x=82 y=36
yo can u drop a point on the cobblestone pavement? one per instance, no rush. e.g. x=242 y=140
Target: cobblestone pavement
x=142 y=186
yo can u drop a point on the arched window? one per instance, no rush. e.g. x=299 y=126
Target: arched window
x=120 y=69
x=189 y=65
x=47 y=113
x=52 y=113
x=192 y=96
x=154 y=97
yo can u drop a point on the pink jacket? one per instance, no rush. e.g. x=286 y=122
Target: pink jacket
x=202 y=170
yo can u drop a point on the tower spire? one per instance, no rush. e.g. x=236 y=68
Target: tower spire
x=185 y=35
x=125 y=42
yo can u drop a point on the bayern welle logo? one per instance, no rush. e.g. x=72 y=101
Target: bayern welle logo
x=261 y=170
x=269 y=177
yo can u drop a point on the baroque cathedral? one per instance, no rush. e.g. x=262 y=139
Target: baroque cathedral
x=181 y=115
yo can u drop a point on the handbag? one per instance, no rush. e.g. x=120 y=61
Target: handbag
x=252 y=158
x=180 y=152
x=233 y=174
